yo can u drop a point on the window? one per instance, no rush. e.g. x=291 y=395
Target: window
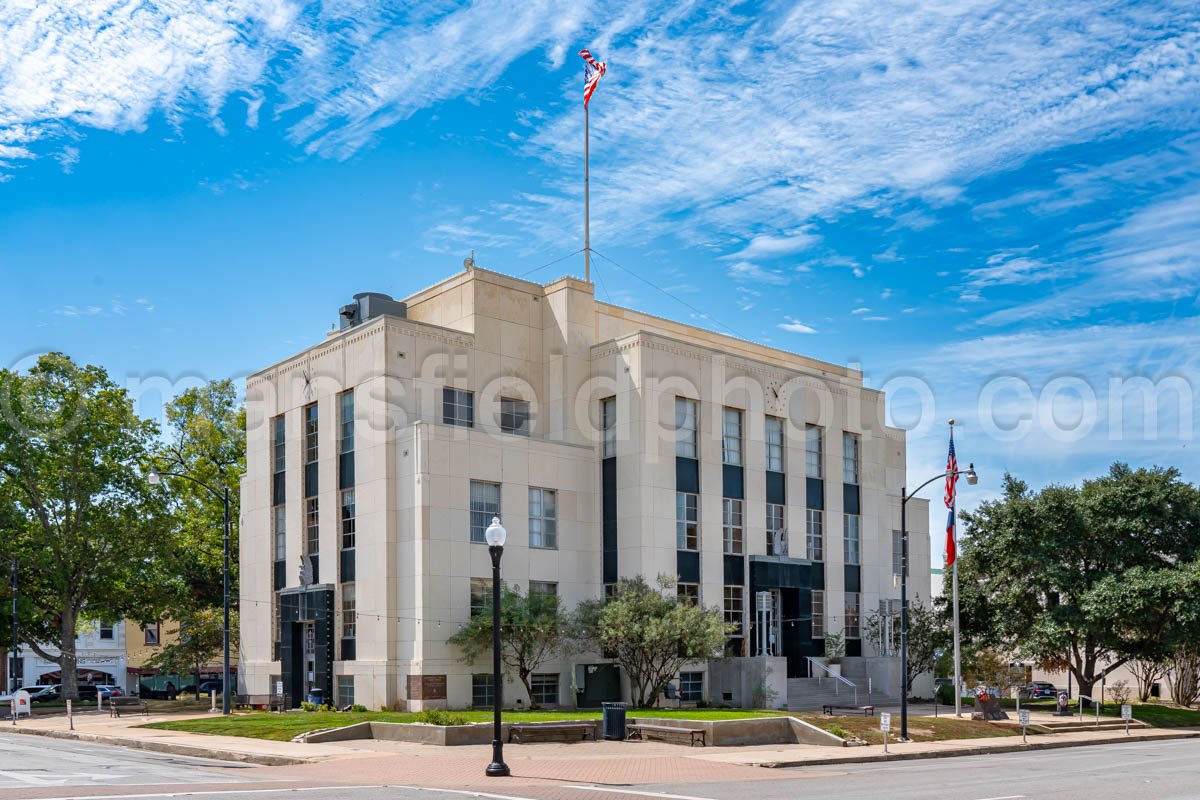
x=310 y=433
x=348 y=523
x=818 y=614
x=279 y=527
x=544 y=689
x=852 y=630
x=312 y=527
x=481 y=595
x=106 y=630
x=734 y=608
x=814 y=452
x=691 y=686
x=776 y=530
x=816 y=534
x=774 y=437
x=610 y=591
x=349 y=616
x=687 y=521
x=850 y=458
x=458 y=407
x=731 y=523
x=685 y=427
x=731 y=440
x=543 y=518
x=898 y=554
x=483 y=690
x=852 y=539
x=279 y=444
x=153 y=634
x=514 y=416
x=608 y=425
x=346 y=432
x=485 y=504
x=688 y=594
x=545 y=588
x=345 y=691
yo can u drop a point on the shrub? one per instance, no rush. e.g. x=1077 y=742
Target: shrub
x=307 y=706
x=1119 y=692
x=358 y=708
x=839 y=731
x=945 y=694
x=438 y=716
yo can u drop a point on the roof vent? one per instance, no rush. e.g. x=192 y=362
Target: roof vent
x=369 y=305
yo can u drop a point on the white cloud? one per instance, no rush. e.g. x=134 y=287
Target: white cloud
x=796 y=326
x=767 y=246
x=876 y=319
x=67 y=158
x=746 y=271
x=862 y=310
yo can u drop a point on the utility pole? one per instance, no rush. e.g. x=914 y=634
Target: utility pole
x=12 y=674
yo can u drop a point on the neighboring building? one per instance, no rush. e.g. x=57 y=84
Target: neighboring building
x=142 y=642
x=101 y=657
x=610 y=443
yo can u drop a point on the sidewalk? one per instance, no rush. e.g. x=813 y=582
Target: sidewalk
x=603 y=761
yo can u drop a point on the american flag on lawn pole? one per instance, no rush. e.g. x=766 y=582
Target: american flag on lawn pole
x=592 y=70
x=951 y=480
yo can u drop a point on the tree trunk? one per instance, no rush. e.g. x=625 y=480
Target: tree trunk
x=196 y=680
x=523 y=674
x=69 y=662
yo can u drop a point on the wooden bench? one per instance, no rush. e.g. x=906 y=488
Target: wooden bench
x=551 y=732
x=118 y=704
x=867 y=711
x=666 y=734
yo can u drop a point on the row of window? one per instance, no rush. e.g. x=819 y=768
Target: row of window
x=542 y=686
x=481 y=592
x=458 y=408
x=543 y=513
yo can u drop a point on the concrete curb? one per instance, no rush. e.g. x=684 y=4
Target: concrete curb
x=260 y=759
x=968 y=751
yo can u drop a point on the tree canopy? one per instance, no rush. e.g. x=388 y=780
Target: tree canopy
x=1083 y=578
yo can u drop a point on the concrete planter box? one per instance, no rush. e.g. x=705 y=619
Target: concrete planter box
x=719 y=733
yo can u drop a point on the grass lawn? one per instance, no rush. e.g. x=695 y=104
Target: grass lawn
x=283 y=727
x=920 y=729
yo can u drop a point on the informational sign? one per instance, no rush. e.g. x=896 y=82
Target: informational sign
x=279 y=688
x=21 y=703
x=1126 y=712
x=885 y=721
x=1023 y=717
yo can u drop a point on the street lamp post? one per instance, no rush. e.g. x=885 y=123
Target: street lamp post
x=495 y=536
x=155 y=479
x=905 y=496
x=12 y=678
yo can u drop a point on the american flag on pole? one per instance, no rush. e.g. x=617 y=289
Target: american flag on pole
x=592 y=70
x=951 y=480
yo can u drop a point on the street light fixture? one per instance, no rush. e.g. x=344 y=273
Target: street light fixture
x=155 y=478
x=495 y=536
x=905 y=496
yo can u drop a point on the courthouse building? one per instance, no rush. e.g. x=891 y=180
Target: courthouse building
x=610 y=443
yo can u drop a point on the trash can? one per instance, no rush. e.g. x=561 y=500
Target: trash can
x=316 y=696
x=614 y=721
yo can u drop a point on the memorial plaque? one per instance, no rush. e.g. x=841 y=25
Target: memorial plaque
x=987 y=707
x=426 y=687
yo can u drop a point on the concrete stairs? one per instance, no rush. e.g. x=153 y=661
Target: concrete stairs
x=810 y=694
x=1075 y=724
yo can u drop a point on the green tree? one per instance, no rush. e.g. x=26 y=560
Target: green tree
x=206 y=426
x=87 y=531
x=201 y=640
x=533 y=629
x=1040 y=571
x=652 y=634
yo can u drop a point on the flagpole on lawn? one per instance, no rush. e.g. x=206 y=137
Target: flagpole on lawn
x=587 y=200
x=954 y=602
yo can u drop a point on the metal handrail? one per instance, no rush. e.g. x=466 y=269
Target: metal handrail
x=812 y=662
x=1094 y=702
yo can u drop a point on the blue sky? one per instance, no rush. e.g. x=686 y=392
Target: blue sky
x=988 y=205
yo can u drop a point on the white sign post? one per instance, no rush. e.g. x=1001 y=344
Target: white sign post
x=885 y=725
x=70 y=718
x=1023 y=716
x=1126 y=714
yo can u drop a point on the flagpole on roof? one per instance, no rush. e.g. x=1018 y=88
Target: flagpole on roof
x=592 y=70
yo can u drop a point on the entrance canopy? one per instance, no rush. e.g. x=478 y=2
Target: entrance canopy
x=81 y=675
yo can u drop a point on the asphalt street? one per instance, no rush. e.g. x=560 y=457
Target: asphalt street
x=1168 y=770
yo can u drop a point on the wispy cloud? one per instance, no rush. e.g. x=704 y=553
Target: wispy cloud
x=746 y=271
x=796 y=326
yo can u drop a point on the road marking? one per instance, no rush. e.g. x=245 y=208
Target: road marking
x=1005 y=797
x=280 y=789
x=617 y=790
x=461 y=791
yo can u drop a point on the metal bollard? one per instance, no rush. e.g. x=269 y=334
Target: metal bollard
x=213 y=693
x=70 y=716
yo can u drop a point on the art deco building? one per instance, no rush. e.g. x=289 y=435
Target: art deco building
x=610 y=443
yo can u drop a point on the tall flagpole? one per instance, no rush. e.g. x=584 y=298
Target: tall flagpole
x=954 y=601
x=587 y=199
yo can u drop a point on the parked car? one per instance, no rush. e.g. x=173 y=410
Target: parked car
x=108 y=690
x=1039 y=690
x=210 y=686
x=44 y=693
